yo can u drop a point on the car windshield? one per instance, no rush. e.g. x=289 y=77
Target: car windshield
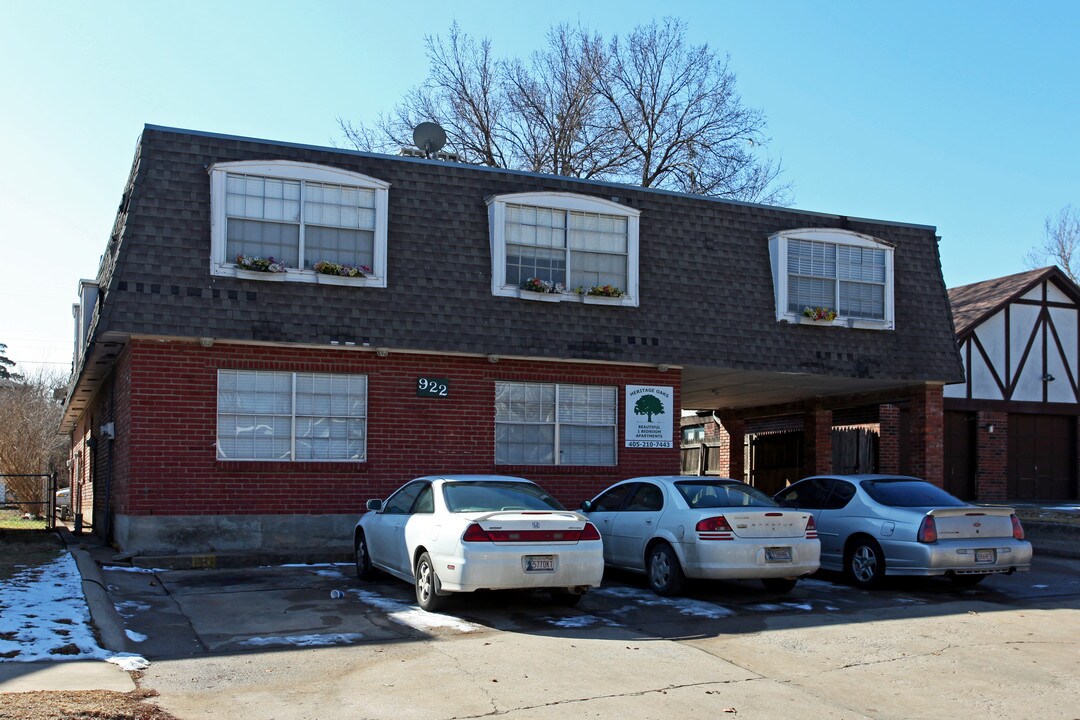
x=899 y=492
x=490 y=495
x=713 y=494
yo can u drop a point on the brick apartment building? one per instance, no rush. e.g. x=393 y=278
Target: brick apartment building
x=217 y=406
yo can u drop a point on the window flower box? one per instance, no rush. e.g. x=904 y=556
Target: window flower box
x=260 y=275
x=324 y=279
x=540 y=296
x=602 y=300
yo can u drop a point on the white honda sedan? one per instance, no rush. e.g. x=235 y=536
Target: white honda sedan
x=463 y=533
x=714 y=528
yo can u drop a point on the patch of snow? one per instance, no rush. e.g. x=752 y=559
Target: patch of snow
x=764 y=607
x=685 y=606
x=830 y=607
x=412 y=615
x=125 y=568
x=129 y=661
x=44 y=612
x=1040 y=587
x=128 y=608
x=819 y=584
x=798 y=606
x=304 y=640
x=135 y=636
x=909 y=601
x=580 y=621
x=330 y=573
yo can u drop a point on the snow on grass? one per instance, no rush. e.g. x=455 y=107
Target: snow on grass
x=45 y=615
x=412 y=615
x=686 y=606
x=320 y=640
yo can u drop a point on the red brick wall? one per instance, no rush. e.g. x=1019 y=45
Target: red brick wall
x=991 y=456
x=174 y=470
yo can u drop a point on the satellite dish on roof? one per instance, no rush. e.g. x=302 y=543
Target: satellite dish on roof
x=429 y=137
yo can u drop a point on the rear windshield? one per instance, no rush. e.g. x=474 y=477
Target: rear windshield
x=909 y=493
x=486 y=496
x=712 y=494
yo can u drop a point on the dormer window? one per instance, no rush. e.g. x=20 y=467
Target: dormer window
x=578 y=247
x=837 y=271
x=306 y=217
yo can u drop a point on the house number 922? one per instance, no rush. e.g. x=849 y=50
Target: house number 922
x=432 y=387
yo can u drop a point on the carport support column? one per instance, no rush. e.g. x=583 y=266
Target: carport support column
x=817 y=431
x=991 y=456
x=889 y=439
x=927 y=434
x=736 y=430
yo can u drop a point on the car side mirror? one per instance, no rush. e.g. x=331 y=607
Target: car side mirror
x=586 y=505
x=375 y=505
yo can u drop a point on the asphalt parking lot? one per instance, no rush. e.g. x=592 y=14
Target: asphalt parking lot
x=294 y=642
x=176 y=613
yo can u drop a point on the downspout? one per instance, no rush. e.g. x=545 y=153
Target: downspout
x=107 y=534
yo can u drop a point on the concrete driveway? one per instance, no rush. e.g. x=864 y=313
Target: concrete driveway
x=278 y=643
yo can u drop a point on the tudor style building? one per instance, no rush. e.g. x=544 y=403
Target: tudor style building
x=1011 y=427
x=223 y=401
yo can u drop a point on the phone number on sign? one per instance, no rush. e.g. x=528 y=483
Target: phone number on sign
x=648 y=444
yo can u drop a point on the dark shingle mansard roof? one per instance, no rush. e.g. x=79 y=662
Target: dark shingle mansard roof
x=971 y=304
x=705 y=283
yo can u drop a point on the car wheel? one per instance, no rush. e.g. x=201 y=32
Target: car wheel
x=864 y=563
x=566 y=599
x=967 y=580
x=779 y=585
x=364 y=571
x=427 y=583
x=665 y=573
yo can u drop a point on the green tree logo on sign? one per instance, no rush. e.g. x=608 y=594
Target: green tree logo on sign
x=649 y=405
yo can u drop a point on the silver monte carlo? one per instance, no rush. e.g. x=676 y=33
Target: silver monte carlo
x=462 y=533
x=871 y=526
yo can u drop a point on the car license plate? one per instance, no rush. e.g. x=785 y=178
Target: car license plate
x=778 y=554
x=538 y=563
x=985 y=556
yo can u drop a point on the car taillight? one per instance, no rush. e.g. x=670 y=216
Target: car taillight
x=714 y=528
x=589 y=532
x=475 y=533
x=927 y=530
x=1018 y=529
x=811 y=529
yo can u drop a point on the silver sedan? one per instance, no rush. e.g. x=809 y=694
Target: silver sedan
x=671 y=528
x=871 y=526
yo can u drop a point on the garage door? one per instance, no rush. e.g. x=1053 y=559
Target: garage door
x=1042 y=457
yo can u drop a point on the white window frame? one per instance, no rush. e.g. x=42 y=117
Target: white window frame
x=556 y=424
x=567 y=202
x=222 y=265
x=778 y=253
x=293 y=417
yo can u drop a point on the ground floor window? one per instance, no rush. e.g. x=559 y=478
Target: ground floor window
x=552 y=424
x=286 y=416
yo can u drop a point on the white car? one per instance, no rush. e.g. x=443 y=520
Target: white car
x=463 y=533
x=700 y=527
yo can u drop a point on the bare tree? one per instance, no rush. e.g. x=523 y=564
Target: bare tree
x=557 y=122
x=30 y=440
x=677 y=108
x=648 y=110
x=1061 y=240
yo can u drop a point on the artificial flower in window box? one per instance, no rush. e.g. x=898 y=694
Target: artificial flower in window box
x=331 y=273
x=601 y=294
x=259 y=268
x=544 y=290
x=823 y=315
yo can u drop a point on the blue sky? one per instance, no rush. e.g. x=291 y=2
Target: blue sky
x=961 y=115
